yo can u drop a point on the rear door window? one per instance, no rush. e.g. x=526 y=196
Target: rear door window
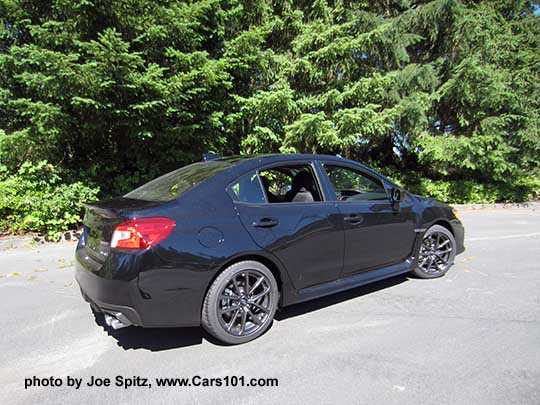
x=247 y=189
x=290 y=184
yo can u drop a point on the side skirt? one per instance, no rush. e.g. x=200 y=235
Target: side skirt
x=353 y=281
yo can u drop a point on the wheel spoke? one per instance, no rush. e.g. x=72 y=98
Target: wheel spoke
x=243 y=323
x=257 y=284
x=231 y=323
x=261 y=294
x=259 y=306
x=254 y=317
x=228 y=309
x=229 y=297
x=443 y=244
x=441 y=258
x=236 y=287
x=246 y=287
x=430 y=263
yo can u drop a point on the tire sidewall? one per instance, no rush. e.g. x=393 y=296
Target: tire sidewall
x=210 y=317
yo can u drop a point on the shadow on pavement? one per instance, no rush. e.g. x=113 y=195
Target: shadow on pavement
x=158 y=339
x=320 y=303
x=153 y=339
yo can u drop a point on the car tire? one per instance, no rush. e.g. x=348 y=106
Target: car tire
x=251 y=301
x=436 y=254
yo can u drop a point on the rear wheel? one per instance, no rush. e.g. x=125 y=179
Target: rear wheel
x=241 y=302
x=437 y=253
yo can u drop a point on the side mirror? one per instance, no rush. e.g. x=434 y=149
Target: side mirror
x=395 y=195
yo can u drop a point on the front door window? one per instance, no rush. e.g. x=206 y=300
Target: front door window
x=352 y=185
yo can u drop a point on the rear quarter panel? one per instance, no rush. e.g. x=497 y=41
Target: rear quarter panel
x=206 y=235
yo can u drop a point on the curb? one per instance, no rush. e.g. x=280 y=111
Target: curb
x=32 y=241
x=12 y=243
x=525 y=205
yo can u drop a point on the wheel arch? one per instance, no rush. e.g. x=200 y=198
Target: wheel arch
x=443 y=223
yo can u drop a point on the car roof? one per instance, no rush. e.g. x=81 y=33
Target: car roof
x=244 y=163
x=263 y=159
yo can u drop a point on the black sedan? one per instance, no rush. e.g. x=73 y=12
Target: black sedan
x=226 y=242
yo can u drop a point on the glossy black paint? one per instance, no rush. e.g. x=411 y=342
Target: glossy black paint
x=314 y=249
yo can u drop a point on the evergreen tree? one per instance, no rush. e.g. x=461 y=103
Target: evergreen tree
x=443 y=95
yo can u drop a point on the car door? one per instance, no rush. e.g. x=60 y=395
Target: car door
x=305 y=236
x=377 y=232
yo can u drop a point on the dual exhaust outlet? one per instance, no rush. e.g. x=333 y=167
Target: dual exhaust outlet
x=117 y=320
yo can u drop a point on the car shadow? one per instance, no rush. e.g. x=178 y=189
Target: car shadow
x=153 y=339
x=159 y=339
x=329 y=300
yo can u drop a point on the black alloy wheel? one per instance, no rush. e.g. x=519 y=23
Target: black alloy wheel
x=241 y=303
x=437 y=253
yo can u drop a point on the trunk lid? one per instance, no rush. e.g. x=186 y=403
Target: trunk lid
x=100 y=220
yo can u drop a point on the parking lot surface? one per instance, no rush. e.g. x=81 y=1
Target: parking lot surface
x=472 y=336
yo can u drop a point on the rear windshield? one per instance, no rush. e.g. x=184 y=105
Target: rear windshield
x=174 y=184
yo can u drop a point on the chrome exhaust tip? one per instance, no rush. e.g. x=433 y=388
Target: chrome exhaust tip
x=117 y=320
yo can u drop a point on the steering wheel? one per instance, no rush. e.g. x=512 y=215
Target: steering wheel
x=349 y=192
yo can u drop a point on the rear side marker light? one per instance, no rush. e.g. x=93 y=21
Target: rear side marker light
x=141 y=233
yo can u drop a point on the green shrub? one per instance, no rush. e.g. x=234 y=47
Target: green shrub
x=469 y=192
x=35 y=199
x=521 y=188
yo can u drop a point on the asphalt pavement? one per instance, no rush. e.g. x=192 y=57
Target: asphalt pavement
x=472 y=336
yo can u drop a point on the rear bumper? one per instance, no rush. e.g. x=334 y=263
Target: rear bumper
x=146 y=303
x=109 y=296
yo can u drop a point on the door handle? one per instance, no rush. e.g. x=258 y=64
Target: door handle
x=354 y=219
x=265 y=223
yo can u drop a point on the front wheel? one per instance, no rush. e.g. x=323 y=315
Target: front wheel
x=241 y=302
x=436 y=254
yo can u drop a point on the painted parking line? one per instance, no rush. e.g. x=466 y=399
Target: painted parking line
x=522 y=235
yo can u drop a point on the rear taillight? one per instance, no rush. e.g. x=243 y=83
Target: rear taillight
x=141 y=233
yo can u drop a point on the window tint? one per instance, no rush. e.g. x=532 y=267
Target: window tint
x=173 y=184
x=291 y=183
x=352 y=185
x=247 y=189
